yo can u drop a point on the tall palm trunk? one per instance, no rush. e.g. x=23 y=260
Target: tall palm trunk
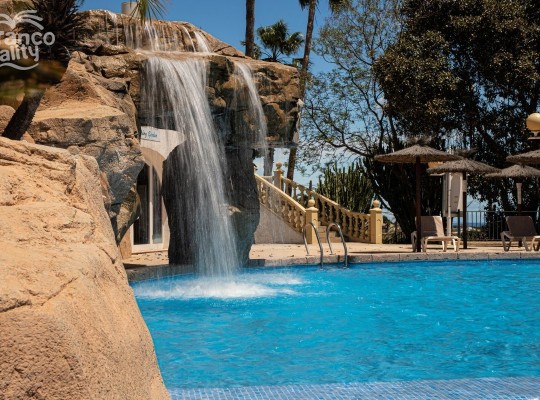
x=303 y=77
x=307 y=48
x=250 y=28
x=21 y=120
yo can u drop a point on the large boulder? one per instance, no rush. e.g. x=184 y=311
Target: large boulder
x=95 y=116
x=69 y=324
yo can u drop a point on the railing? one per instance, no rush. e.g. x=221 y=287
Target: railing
x=488 y=225
x=333 y=224
x=304 y=234
x=357 y=227
x=280 y=204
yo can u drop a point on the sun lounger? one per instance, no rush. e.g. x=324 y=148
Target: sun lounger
x=520 y=228
x=433 y=231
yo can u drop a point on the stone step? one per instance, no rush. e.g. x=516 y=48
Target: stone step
x=332 y=239
x=323 y=229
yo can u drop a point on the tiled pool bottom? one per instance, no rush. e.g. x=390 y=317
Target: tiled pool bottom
x=459 y=389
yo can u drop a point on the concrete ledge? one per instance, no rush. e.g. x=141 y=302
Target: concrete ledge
x=152 y=266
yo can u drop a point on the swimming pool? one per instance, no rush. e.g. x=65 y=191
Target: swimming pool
x=369 y=323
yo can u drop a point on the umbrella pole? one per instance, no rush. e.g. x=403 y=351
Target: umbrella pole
x=519 y=200
x=418 y=207
x=448 y=204
x=464 y=210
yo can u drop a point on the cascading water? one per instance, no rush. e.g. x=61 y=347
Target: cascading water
x=254 y=120
x=174 y=94
x=202 y=43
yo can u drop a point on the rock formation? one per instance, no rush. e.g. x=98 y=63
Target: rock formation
x=69 y=324
x=95 y=115
x=109 y=46
x=97 y=108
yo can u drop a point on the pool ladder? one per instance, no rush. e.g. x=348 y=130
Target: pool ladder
x=328 y=229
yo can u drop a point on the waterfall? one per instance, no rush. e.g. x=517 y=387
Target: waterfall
x=186 y=34
x=252 y=119
x=114 y=19
x=159 y=36
x=174 y=95
x=202 y=43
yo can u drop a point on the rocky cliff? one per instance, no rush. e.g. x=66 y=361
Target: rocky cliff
x=97 y=108
x=69 y=324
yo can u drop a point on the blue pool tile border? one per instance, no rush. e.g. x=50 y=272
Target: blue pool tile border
x=457 y=389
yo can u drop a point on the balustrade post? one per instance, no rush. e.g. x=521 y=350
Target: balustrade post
x=278 y=174
x=375 y=223
x=311 y=216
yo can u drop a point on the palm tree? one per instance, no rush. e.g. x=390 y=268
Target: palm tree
x=276 y=39
x=250 y=28
x=60 y=17
x=335 y=6
x=148 y=9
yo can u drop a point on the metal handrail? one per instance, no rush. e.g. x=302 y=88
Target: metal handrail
x=328 y=229
x=318 y=239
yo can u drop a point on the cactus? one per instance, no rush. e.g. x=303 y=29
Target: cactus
x=349 y=187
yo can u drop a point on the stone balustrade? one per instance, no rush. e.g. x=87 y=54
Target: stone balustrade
x=286 y=208
x=357 y=227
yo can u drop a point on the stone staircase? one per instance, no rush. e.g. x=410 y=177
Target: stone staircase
x=333 y=236
x=299 y=206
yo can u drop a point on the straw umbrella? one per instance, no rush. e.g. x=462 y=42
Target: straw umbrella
x=518 y=173
x=417 y=155
x=532 y=157
x=465 y=167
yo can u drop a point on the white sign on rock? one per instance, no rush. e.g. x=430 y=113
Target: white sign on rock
x=151 y=133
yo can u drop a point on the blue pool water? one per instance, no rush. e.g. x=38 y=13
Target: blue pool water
x=376 y=322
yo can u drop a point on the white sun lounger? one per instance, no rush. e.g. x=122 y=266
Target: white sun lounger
x=520 y=228
x=433 y=231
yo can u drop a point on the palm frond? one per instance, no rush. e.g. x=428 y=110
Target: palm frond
x=150 y=9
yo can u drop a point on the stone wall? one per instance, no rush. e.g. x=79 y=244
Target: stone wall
x=69 y=324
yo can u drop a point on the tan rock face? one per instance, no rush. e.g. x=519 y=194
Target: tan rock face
x=6 y=112
x=98 y=116
x=69 y=325
x=97 y=106
x=278 y=84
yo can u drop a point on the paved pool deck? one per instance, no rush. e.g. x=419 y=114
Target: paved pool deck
x=156 y=264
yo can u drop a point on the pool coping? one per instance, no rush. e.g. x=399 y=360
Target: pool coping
x=145 y=272
x=513 y=388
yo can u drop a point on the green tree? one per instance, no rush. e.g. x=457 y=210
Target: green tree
x=470 y=72
x=277 y=41
x=335 y=6
x=345 y=117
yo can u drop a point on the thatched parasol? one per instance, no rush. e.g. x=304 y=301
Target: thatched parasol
x=418 y=155
x=465 y=167
x=518 y=173
x=532 y=157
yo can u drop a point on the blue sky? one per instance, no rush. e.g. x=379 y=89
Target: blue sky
x=226 y=19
